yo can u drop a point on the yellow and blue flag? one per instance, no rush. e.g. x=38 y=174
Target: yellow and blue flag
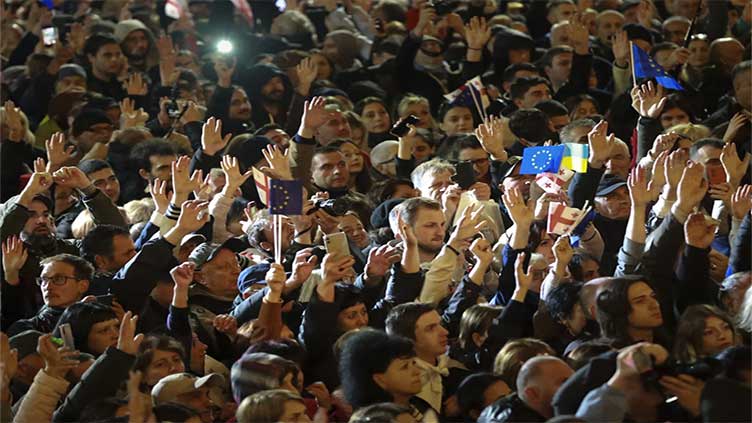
x=541 y=159
x=285 y=197
x=645 y=67
x=575 y=157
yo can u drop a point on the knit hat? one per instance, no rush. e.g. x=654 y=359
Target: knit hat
x=71 y=69
x=380 y=216
x=248 y=150
x=88 y=118
x=609 y=184
x=25 y=342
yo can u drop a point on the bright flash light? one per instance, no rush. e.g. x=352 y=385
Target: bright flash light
x=224 y=46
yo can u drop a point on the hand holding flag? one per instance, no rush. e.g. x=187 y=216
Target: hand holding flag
x=643 y=66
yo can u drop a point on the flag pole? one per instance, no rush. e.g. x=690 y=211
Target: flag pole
x=631 y=64
x=481 y=112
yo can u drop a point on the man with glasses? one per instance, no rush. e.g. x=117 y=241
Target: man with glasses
x=63 y=281
x=28 y=224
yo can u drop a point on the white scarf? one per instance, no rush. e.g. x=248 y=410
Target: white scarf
x=430 y=376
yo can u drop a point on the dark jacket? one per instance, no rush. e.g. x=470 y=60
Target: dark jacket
x=509 y=409
x=134 y=282
x=102 y=380
x=44 y=321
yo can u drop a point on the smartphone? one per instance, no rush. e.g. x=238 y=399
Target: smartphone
x=336 y=244
x=464 y=175
x=49 y=35
x=105 y=299
x=400 y=129
x=67 y=334
x=716 y=174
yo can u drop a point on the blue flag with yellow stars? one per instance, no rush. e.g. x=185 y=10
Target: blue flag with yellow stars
x=285 y=197
x=541 y=159
x=645 y=67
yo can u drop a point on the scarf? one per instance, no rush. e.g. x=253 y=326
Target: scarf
x=431 y=376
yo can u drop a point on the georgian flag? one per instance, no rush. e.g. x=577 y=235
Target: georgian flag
x=562 y=219
x=245 y=10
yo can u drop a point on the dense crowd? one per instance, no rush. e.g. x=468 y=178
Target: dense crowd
x=443 y=265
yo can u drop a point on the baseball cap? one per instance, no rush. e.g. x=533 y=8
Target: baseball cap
x=206 y=251
x=609 y=183
x=170 y=387
x=71 y=69
x=192 y=237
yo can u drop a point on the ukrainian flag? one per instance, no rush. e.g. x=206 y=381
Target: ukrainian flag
x=575 y=157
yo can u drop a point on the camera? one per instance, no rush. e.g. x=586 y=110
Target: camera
x=335 y=207
x=173 y=109
x=702 y=369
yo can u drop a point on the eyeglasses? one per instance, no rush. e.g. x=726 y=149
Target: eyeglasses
x=58 y=280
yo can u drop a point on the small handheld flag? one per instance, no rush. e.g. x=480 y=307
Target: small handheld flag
x=262 y=186
x=645 y=67
x=286 y=197
x=562 y=218
x=575 y=157
x=541 y=159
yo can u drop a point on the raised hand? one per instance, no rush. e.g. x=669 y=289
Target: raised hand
x=129 y=116
x=211 y=137
x=14 y=257
x=477 y=33
x=563 y=251
x=323 y=397
x=183 y=182
x=481 y=250
x=279 y=162
x=158 y=191
x=335 y=268
x=193 y=215
x=380 y=260
x=741 y=201
x=14 y=121
x=522 y=278
x=167 y=61
x=678 y=57
x=735 y=124
x=40 y=182
x=675 y=168
x=226 y=324
x=406 y=233
x=450 y=199
x=128 y=341
x=233 y=178
x=620 y=48
x=135 y=85
x=303 y=265
x=57 y=361
x=640 y=191
x=182 y=275
x=470 y=223
x=520 y=213
x=699 y=231
x=722 y=192
x=306 y=71
x=314 y=116
x=138 y=409
x=76 y=37
x=275 y=280
x=658 y=179
x=692 y=187
x=734 y=167
x=71 y=177
x=600 y=144
x=481 y=190
x=651 y=99
x=425 y=20
x=663 y=142
x=58 y=155
x=579 y=35
x=491 y=137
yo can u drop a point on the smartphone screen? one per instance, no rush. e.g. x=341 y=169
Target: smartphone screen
x=336 y=244
x=49 y=35
x=67 y=334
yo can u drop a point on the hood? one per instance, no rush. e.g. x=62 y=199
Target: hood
x=509 y=39
x=258 y=75
x=124 y=28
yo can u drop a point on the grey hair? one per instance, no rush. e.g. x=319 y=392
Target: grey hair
x=431 y=167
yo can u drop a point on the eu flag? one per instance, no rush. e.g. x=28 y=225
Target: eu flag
x=645 y=67
x=48 y=4
x=285 y=197
x=541 y=159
